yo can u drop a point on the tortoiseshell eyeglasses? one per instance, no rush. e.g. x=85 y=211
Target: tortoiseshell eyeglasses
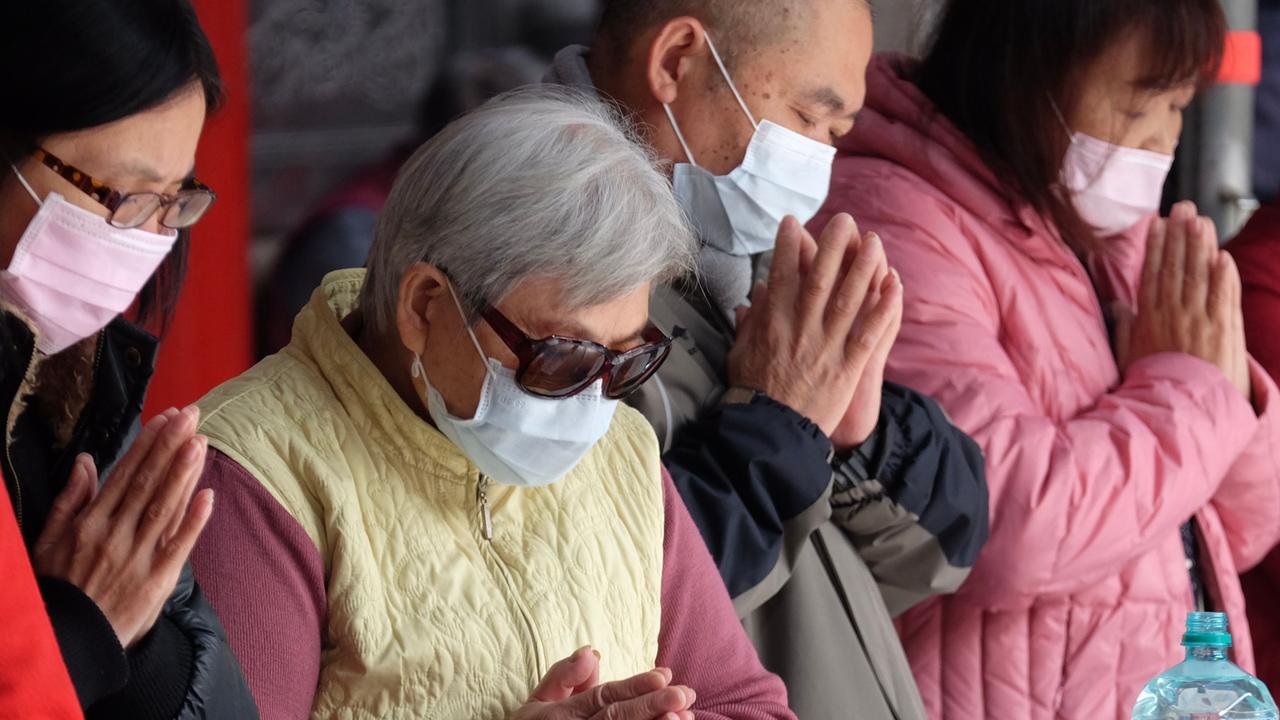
x=130 y=210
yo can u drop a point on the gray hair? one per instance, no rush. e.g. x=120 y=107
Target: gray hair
x=541 y=182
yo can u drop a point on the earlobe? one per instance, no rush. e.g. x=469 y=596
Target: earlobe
x=671 y=56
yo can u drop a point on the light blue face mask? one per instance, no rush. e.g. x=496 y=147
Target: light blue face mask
x=516 y=438
x=784 y=173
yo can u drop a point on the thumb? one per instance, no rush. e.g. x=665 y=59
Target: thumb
x=569 y=676
x=81 y=488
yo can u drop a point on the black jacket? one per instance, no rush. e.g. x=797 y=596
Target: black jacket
x=183 y=668
x=819 y=550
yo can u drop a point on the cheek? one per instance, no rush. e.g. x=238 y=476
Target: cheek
x=1157 y=133
x=454 y=369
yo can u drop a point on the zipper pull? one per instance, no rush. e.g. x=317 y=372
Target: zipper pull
x=482 y=499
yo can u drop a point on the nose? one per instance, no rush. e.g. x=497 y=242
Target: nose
x=152 y=225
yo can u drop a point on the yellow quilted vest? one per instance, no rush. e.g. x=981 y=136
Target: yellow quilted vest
x=428 y=618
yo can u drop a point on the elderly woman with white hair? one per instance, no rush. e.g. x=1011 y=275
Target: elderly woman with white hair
x=431 y=503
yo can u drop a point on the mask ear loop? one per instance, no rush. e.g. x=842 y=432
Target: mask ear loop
x=725 y=72
x=1062 y=120
x=25 y=184
x=470 y=333
x=679 y=135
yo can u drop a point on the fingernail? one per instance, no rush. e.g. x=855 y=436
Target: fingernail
x=597 y=654
x=691 y=695
x=665 y=673
x=579 y=654
x=158 y=421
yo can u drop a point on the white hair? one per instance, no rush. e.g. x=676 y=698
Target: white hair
x=541 y=182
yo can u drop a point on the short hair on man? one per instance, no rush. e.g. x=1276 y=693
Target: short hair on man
x=738 y=27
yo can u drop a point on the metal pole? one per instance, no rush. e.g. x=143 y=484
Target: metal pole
x=1222 y=129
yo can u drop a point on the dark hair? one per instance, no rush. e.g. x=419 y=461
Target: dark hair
x=996 y=67
x=77 y=64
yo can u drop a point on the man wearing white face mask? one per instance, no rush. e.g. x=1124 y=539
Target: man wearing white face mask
x=433 y=492
x=830 y=501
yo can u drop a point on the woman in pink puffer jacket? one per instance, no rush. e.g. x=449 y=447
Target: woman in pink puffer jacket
x=1123 y=494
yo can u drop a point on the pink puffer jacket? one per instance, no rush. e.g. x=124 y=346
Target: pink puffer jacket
x=1082 y=591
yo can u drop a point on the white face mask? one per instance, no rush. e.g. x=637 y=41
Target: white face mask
x=516 y=438
x=1112 y=187
x=72 y=272
x=784 y=173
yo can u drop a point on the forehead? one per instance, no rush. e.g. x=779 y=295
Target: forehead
x=828 y=49
x=538 y=307
x=1125 y=67
x=153 y=146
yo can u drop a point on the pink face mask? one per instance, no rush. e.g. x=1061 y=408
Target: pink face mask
x=73 y=272
x=1113 y=188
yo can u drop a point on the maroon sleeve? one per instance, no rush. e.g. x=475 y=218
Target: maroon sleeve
x=265 y=578
x=1257 y=253
x=701 y=639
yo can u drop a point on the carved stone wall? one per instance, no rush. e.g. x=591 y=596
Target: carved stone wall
x=335 y=83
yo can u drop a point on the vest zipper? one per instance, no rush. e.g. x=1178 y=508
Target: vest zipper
x=482 y=500
x=486 y=529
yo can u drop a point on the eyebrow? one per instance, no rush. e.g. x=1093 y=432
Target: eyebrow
x=134 y=169
x=828 y=98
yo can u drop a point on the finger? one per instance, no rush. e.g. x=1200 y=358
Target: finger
x=853 y=291
x=1173 y=265
x=808 y=251
x=1219 y=298
x=1200 y=258
x=895 y=324
x=652 y=705
x=1183 y=211
x=174 y=553
x=164 y=512
x=821 y=280
x=73 y=498
x=1149 y=292
x=566 y=676
x=175 y=518
x=594 y=678
x=602 y=696
x=152 y=475
x=862 y=341
x=784 y=272
x=113 y=493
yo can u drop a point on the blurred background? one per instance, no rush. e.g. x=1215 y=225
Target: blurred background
x=328 y=97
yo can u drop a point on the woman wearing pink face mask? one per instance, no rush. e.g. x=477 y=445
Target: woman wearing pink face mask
x=1015 y=175
x=97 y=142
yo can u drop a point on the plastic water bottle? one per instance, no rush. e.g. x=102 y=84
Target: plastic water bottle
x=1205 y=686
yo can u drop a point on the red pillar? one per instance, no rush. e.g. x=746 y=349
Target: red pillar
x=210 y=339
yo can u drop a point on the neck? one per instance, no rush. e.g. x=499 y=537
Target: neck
x=1212 y=652
x=390 y=357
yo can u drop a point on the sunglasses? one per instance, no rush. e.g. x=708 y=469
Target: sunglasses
x=130 y=210
x=561 y=367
